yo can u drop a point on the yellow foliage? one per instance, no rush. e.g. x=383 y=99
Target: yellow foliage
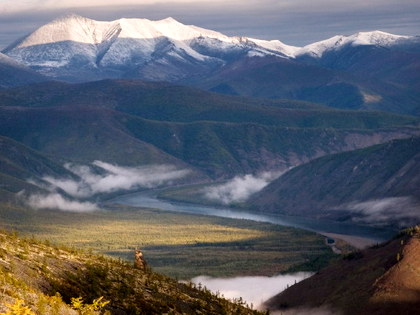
x=18 y=309
x=87 y=309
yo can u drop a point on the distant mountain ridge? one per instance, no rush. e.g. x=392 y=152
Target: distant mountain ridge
x=117 y=46
x=367 y=70
x=106 y=44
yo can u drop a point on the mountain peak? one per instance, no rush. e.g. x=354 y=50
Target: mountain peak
x=169 y=19
x=76 y=40
x=376 y=38
x=70 y=16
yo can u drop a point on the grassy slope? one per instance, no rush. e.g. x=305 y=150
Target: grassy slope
x=45 y=278
x=381 y=280
x=177 y=244
x=386 y=170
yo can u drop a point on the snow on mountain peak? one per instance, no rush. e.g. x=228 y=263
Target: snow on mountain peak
x=126 y=40
x=377 y=38
x=119 y=46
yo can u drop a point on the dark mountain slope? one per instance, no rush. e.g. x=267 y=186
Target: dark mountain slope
x=338 y=88
x=137 y=97
x=162 y=101
x=220 y=149
x=18 y=164
x=14 y=74
x=397 y=64
x=22 y=162
x=343 y=181
x=381 y=280
x=78 y=134
x=46 y=278
x=249 y=148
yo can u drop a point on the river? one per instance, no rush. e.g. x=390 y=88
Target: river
x=356 y=235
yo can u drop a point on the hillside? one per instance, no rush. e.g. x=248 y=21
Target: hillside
x=384 y=279
x=270 y=77
x=375 y=185
x=218 y=149
x=13 y=73
x=169 y=102
x=18 y=164
x=44 y=279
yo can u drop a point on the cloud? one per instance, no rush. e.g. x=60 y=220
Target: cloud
x=255 y=290
x=57 y=202
x=404 y=210
x=104 y=177
x=240 y=188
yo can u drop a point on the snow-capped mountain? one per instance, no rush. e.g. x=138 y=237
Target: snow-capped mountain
x=135 y=46
x=81 y=49
x=367 y=70
x=375 y=38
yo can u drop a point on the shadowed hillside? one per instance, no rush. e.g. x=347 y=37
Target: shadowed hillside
x=384 y=279
x=374 y=185
x=218 y=149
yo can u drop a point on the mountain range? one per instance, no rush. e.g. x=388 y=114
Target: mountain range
x=367 y=70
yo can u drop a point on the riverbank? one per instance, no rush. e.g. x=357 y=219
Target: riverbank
x=356 y=235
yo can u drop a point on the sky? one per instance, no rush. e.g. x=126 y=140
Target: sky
x=294 y=22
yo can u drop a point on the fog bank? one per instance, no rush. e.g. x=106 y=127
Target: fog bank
x=404 y=210
x=99 y=177
x=253 y=290
x=240 y=188
x=58 y=202
x=104 y=177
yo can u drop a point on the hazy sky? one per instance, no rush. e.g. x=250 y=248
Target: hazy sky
x=295 y=22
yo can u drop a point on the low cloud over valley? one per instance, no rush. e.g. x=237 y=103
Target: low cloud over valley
x=253 y=290
x=98 y=178
x=385 y=210
x=240 y=188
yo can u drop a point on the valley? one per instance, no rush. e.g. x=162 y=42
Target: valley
x=177 y=244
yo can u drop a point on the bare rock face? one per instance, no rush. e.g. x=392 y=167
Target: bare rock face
x=139 y=262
